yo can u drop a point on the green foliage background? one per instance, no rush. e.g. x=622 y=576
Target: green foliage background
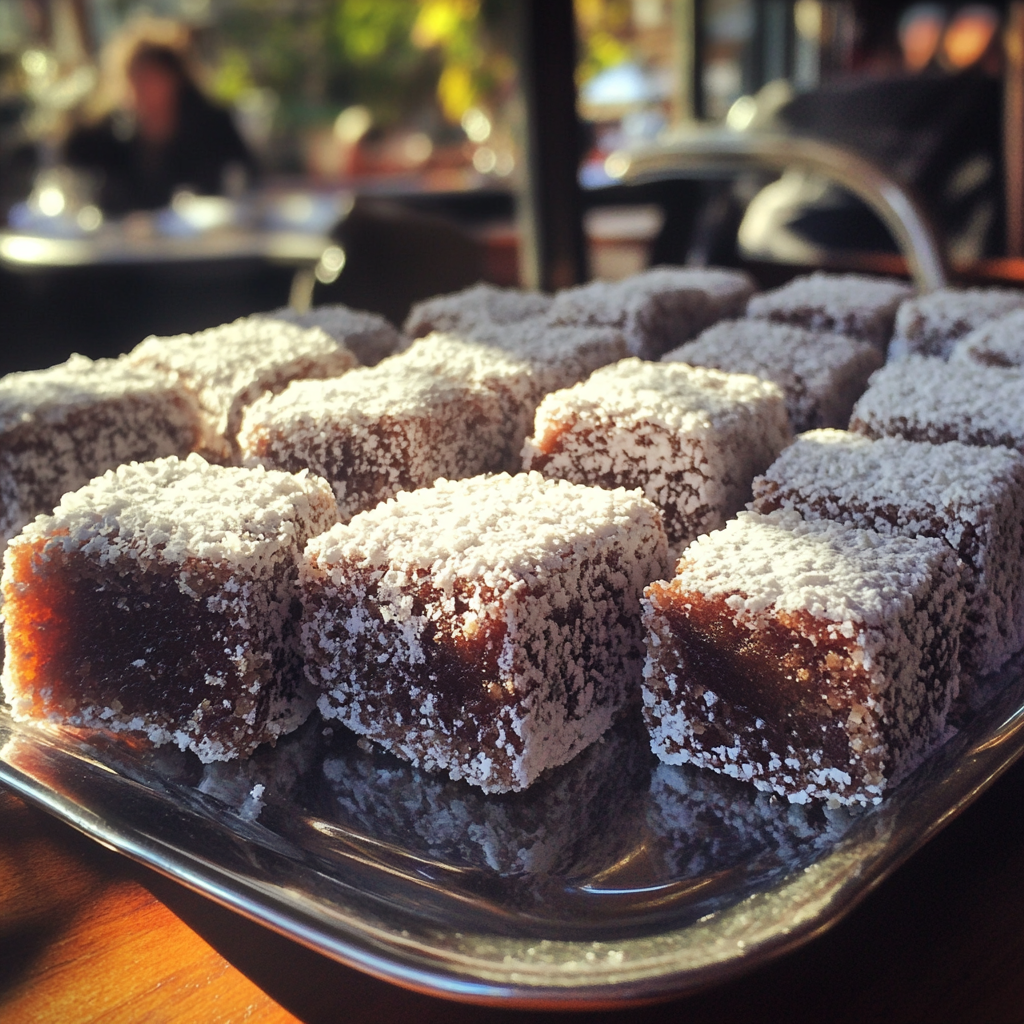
x=403 y=59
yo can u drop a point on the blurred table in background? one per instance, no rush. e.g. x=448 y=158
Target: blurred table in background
x=203 y=262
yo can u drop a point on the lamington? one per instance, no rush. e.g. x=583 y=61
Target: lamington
x=971 y=497
x=481 y=307
x=855 y=304
x=441 y=408
x=62 y=426
x=691 y=438
x=812 y=659
x=229 y=367
x=929 y=325
x=658 y=309
x=998 y=342
x=923 y=399
x=159 y=600
x=821 y=375
x=553 y=356
x=488 y=628
x=370 y=337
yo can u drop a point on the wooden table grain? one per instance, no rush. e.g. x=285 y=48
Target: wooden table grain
x=87 y=936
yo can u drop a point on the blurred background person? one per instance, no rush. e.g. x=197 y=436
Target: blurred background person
x=165 y=136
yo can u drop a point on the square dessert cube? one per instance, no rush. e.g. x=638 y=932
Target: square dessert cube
x=998 y=342
x=159 y=600
x=821 y=375
x=658 y=309
x=62 y=426
x=812 y=659
x=929 y=325
x=370 y=337
x=229 y=367
x=692 y=439
x=554 y=356
x=923 y=399
x=519 y=382
x=489 y=627
x=855 y=304
x=482 y=306
x=971 y=497
x=441 y=408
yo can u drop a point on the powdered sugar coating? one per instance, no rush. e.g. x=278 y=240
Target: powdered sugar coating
x=487 y=627
x=971 y=497
x=658 y=309
x=230 y=366
x=813 y=659
x=821 y=375
x=477 y=308
x=922 y=399
x=929 y=325
x=855 y=304
x=444 y=407
x=558 y=356
x=828 y=569
x=677 y=397
x=62 y=426
x=998 y=342
x=221 y=545
x=691 y=438
x=176 y=509
x=495 y=529
x=516 y=379
x=840 y=464
x=45 y=396
x=370 y=337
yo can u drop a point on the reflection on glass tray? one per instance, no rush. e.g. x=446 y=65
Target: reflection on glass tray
x=614 y=878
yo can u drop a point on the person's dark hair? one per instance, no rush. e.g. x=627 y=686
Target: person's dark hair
x=164 y=57
x=193 y=102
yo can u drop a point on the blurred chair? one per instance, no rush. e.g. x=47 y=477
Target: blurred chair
x=724 y=152
x=396 y=256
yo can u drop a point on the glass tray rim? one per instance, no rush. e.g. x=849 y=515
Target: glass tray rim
x=524 y=972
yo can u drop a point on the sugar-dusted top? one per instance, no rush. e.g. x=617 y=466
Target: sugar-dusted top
x=231 y=355
x=675 y=396
x=608 y=302
x=998 y=342
x=568 y=352
x=180 y=509
x=841 y=295
x=478 y=307
x=430 y=373
x=932 y=322
x=832 y=571
x=837 y=463
x=363 y=395
x=489 y=529
x=240 y=359
x=964 y=400
x=369 y=336
x=460 y=357
x=793 y=357
x=46 y=396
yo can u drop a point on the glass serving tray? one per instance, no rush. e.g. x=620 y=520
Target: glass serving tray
x=615 y=878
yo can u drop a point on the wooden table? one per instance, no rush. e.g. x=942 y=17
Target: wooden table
x=86 y=935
